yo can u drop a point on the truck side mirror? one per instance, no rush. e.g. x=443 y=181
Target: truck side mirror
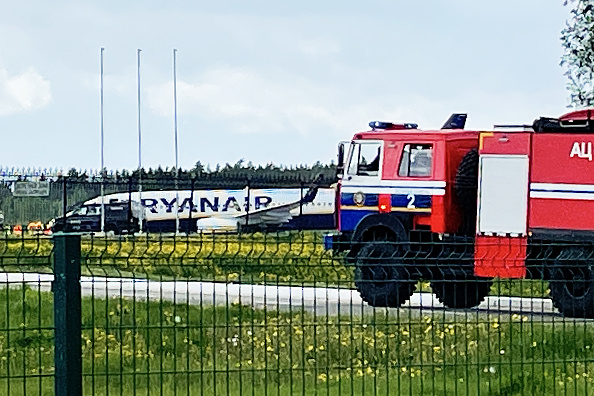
x=340 y=164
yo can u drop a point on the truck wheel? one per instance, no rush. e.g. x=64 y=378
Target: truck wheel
x=381 y=277
x=465 y=293
x=572 y=283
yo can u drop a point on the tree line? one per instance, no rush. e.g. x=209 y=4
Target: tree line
x=240 y=172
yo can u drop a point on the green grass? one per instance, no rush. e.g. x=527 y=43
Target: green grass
x=284 y=259
x=181 y=349
x=348 y=385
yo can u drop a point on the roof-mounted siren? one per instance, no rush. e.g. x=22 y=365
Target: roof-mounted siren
x=456 y=121
x=388 y=126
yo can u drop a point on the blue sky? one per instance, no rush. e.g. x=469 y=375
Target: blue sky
x=264 y=81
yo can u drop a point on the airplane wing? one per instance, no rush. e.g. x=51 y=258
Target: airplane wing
x=275 y=215
x=271 y=215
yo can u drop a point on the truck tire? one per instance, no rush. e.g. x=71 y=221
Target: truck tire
x=454 y=282
x=465 y=293
x=381 y=276
x=571 y=283
x=111 y=229
x=466 y=182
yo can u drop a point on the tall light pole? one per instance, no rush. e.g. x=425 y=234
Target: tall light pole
x=102 y=148
x=140 y=218
x=175 y=138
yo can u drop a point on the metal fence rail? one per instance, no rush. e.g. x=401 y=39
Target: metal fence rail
x=255 y=314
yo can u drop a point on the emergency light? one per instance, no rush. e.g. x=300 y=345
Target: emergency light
x=385 y=203
x=391 y=126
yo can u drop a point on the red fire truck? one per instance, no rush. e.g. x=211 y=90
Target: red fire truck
x=459 y=208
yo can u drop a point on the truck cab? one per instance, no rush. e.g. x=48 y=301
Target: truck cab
x=396 y=177
x=404 y=194
x=398 y=171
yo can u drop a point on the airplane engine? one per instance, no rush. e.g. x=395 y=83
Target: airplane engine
x=216 y=224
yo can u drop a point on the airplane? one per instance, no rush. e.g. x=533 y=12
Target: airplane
x=227 y=210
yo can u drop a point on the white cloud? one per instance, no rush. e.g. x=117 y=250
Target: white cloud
x=250 y=102
x=26 y=91
x=247 y=102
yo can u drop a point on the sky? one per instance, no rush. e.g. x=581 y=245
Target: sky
x=264 y=81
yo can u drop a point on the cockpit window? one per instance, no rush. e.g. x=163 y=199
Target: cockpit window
x=365 y=159
x=416 y=161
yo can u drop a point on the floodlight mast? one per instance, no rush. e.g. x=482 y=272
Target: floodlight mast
x=141 y=214
x=175 y=138
x=102 y=151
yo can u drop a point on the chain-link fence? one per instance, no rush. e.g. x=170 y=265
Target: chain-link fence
x=277 y=313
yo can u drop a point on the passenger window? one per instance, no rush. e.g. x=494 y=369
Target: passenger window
x=416 y=160
x=365 y=159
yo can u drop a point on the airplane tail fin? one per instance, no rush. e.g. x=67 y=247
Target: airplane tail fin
x=456 y=121
x=313 y=189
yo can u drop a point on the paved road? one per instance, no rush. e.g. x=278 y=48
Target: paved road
x=322 y=301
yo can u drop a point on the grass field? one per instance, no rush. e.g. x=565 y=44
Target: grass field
x=165 y=349
x=284 y=259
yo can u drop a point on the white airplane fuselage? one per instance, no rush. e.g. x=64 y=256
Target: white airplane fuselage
x=222 y=207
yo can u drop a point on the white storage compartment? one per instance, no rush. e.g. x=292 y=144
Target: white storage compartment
x=503 y=194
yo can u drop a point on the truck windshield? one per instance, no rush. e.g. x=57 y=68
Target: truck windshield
x=87 y=211
x=93 y=210
x=364 y=159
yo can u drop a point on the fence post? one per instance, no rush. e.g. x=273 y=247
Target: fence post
x=67 y=315
x=64 y=196
x=192 y=186
x=301 y=187
x=130 y=218
x=247 y=199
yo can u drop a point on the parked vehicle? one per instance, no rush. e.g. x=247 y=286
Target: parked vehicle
x=459 y=207
x=120 y=218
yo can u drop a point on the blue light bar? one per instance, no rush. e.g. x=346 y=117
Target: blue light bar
x=380 y=125
x=389 y=125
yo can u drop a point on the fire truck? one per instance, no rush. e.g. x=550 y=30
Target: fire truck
x=458 y=208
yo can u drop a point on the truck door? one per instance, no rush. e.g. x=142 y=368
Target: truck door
x=364 y=162
x=363 y=169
